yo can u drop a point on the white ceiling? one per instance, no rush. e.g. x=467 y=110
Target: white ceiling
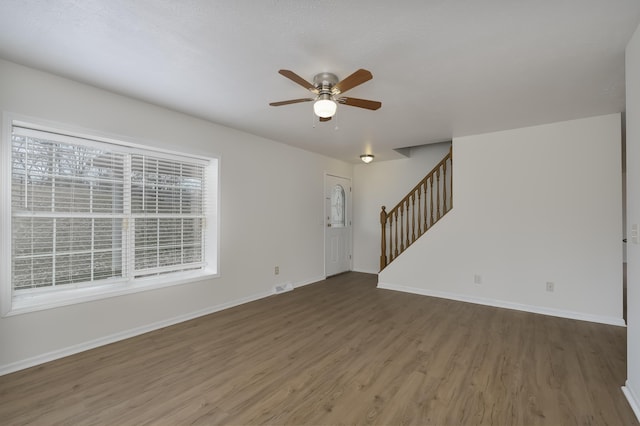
x=442 y=68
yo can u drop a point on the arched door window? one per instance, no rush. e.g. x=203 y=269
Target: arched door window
x=338 y=207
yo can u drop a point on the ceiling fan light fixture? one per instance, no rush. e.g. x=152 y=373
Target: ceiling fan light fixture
x=325 y=107
x=367 y=158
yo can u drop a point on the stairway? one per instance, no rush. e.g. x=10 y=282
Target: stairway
x=417 y=212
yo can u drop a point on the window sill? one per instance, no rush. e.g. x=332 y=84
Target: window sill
x=25 y=303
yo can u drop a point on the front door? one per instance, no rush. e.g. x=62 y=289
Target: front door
x=337 y=235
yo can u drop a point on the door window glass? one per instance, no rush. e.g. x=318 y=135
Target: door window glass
x=338 y=207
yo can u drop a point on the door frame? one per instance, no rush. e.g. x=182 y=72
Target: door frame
x=349 y=219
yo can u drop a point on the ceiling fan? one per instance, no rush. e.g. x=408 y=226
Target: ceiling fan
x=328 y=89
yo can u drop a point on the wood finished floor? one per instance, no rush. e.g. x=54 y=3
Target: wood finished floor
x=338 y=352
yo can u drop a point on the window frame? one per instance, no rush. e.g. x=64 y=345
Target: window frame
x=13 y=304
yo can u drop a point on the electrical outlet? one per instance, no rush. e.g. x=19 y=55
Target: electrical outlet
x=550 y=286
x=276 y=270
x=477 y=279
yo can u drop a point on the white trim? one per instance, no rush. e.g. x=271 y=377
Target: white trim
x=367 y=271
x=34 y=302
x=632 y=398
x=13 y=303
x=324 y=223
x=309 y=281
x=212 y=212
x=507 y=305
x=288 y=286
x=282 y=288
x=91 y=344
x=6 y=292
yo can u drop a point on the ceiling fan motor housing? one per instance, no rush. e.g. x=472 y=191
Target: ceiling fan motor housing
x=325 y=81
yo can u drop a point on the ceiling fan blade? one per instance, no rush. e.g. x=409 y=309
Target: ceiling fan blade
x=360 y=103
x=297 y=79
x=324 y=119
x=291 y=101
x=353 y=80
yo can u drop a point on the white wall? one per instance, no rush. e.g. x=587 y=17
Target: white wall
x=632 y=388
x=384 y=184
x=531 y=206
x=271 y=214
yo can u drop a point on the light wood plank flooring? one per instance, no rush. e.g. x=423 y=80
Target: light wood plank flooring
x=338 y=352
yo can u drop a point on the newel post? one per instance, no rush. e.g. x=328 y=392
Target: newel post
x=383 y=244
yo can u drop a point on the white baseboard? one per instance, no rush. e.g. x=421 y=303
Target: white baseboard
x=91 y=344
x=307 y=282
x=632 y=398
x=74 y=349
x=508 y=305
x=364 y=271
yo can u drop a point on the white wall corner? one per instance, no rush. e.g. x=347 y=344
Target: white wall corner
x=632 y=67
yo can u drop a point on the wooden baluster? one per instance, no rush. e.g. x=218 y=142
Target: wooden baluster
x=419 y=209
x=431 y=219
x=390 y=240
x=426 y=223
x=396 y=234
x=438 y=196
x=391 y=245
x=402 y=227
x=444 y=185
x=383 y=243
x=392 y=254
x=413 y=217
x=407 y=222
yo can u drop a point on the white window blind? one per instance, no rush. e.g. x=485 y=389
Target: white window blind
x=86 y=212
x=168 y=212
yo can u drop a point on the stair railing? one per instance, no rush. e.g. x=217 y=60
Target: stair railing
x=418 y=211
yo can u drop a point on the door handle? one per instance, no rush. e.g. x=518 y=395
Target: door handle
x=328 y=225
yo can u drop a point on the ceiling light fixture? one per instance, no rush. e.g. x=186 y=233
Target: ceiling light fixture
x=367 y=158
x=325 y=107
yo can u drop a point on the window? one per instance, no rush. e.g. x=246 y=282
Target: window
x=91 y=217
x=338 y=207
